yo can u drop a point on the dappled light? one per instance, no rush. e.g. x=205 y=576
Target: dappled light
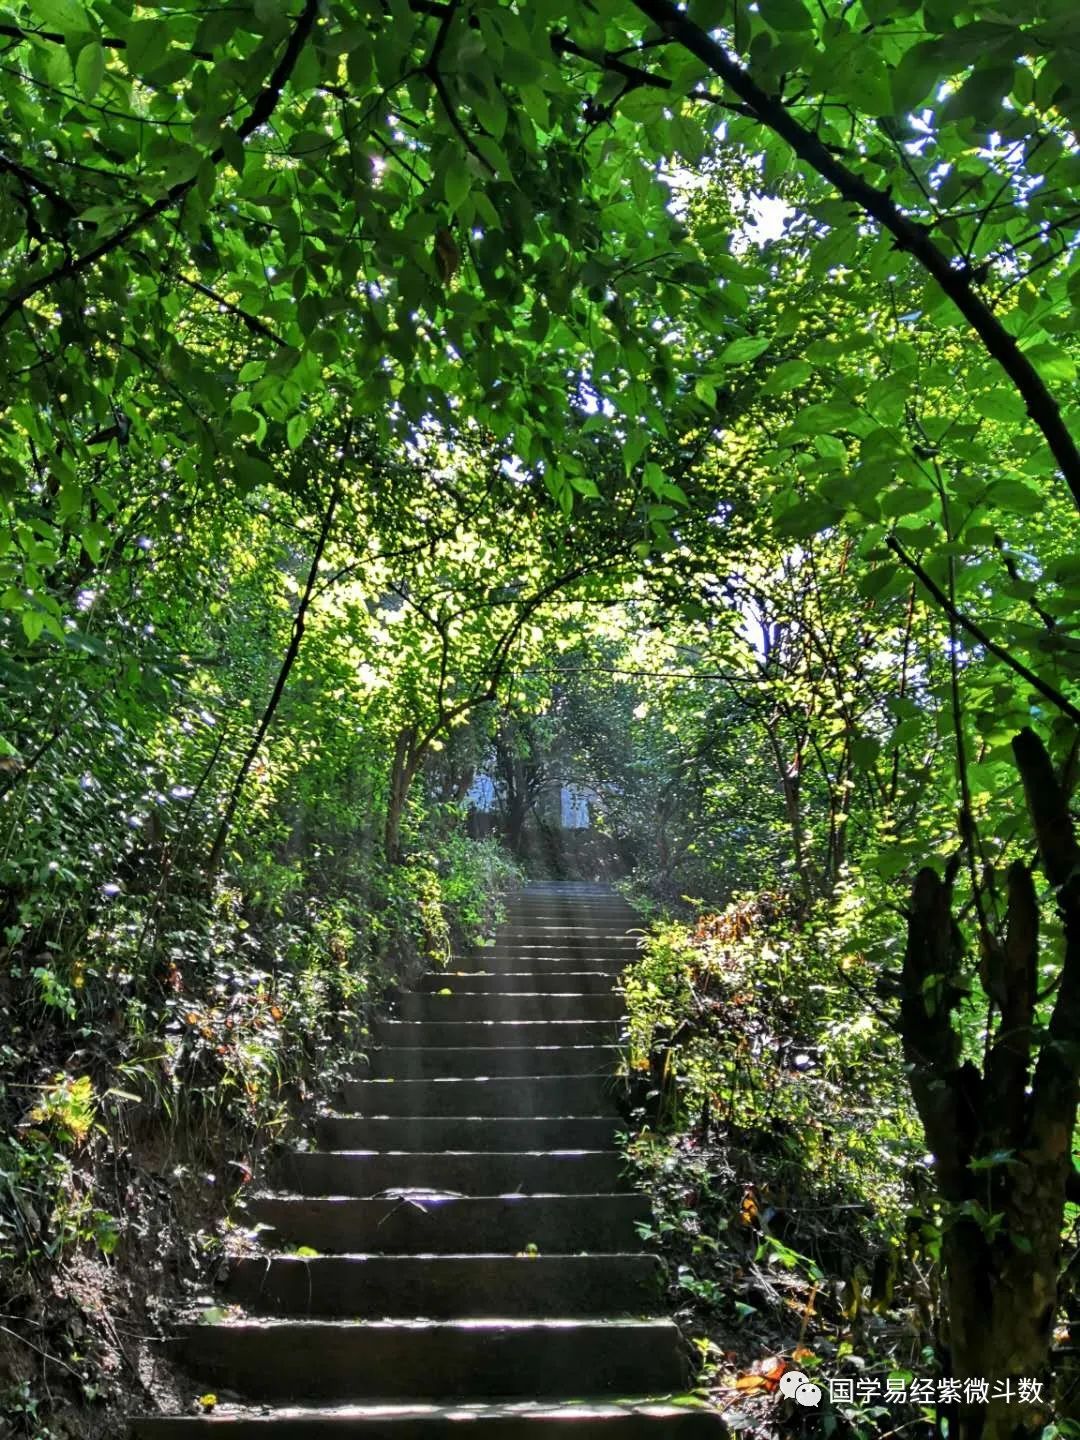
x=539 y=593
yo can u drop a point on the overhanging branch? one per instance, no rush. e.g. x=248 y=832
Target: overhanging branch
x=908 y=234
x=978 y=633
x=263 y=108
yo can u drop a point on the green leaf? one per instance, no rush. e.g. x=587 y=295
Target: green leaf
x=851 y=68
x=918 y=73
x=887 y=397
x=864 y=751
x=785 y=14
x=297 y=429
x=309 y=313
x=94 y=538
x=788 y=376
x=906 y=500
x=311 y=142
x=1016 y=496
x=90 y=69
x=252 y=471
x=805 y=518
x=980 y=96
x=1052 y=363
x=457 y=184
x=147 y=41
x=830 y=415
x=748 y=347
x=634 y=446
x=67 y=16
x=33 y=622
x=830 y=447
x=584 y=486
x=655 y=478
x=70 y=501
x=1001 y=403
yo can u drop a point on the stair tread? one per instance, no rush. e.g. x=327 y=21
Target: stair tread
x=483 y=1050
x=662 y=1415
x=458 y=1256
x=446 y=1222
x=502 y=1119
x=457 y=1150
x=426 y=1189
x=577 y=1199
x=393 y=1324
x=548 y=1324
x=464 y=1079
x=660 y=1405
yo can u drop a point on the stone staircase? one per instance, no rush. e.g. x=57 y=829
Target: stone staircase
x=476 y=1258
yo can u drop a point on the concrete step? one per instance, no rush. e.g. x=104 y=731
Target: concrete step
x=619 y=921
x=564 y=889
x=298 y=1360
x=596 y=947
x=531 y=907
x=567 y=928
x=444 y=1287
x=536 y=903
x=496 y=1033
x=616 y=923
x=538 y=1005
x=452 y=1225
x=463 y=1132
x=481 y=1420
x=560 y=899
x=501 y=1095
x=537 y=962
x=560 y=928
x=596 y=982
x=418 y=1062
x=528 y=951
x=459 y=1292
x=370 y=1173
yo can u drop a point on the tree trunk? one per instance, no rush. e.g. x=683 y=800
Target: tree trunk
x=790 y=777
x=516 y=811
x=403 y=770
x=1001 y=1137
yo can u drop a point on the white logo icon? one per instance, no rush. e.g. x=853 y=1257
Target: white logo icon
x=794 y=1385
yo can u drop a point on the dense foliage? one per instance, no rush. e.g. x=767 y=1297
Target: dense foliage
x=680 y=402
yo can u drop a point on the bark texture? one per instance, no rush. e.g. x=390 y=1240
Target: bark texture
x=1001 y=1135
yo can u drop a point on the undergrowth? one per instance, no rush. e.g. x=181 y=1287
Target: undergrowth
x=786 y=1199
x=154 y=1056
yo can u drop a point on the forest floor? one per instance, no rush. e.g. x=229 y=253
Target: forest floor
x=86 y=1349
x=782 y=1201
x=753 y=1306
x=762 y=1264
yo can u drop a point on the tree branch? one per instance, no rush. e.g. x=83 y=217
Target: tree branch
x=108 y=42
x=255 y=325
x=908 y=234
x=299 y=623
x=431 y=70
x=635 y=77
x=977 y=633
x=261 y=111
